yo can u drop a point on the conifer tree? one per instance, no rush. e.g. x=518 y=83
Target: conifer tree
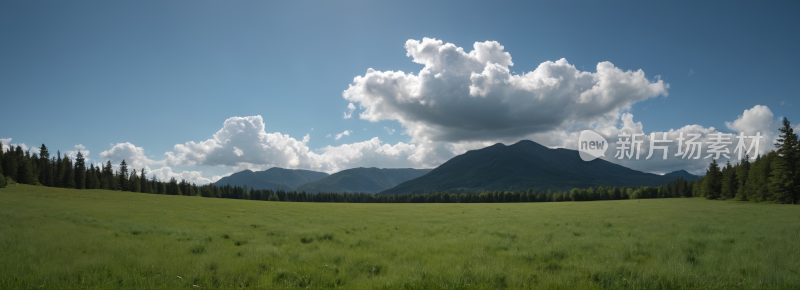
x=69 y=173
x=713 y=180
x=58 y=170
x=729 y=181
x=80 y=171
x=10 y=164
x=143 y=182
x=44 y=166
x=1 y=157
x=133 y=182
x=123 y=176
x=742 y=171
x=784 y=167
x=108 y=176
x=24 y=171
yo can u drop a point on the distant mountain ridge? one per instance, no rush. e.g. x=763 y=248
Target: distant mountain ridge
x=525 y=165
x=273 y=178
x=683 y=173
x=362 y=179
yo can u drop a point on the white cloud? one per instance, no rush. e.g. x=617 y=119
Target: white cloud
x=352 y=108
x=390 y=131
x=8 y=146
x=5 y=142
x=756 y=119
x=472 y=96
x=264 y=150
x=328 y=136
x=80 y=147
x=165 y=173
x=237 y=151
x=133 y=156
x=345 y=133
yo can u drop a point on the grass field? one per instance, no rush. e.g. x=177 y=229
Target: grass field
x=96 y=239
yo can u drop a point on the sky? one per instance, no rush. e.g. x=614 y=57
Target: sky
x=202 y=89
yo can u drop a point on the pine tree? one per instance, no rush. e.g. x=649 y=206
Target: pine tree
x=69 y=173
x=729 y=181
x=143 y=182
x=713 y=180
x=58 y=170
x=90 y=177
x=133 y=182
x=80 y=171
x=123 y=176
x=108 y=176
x=782 y=177
x=742 y=175
x=24 y=175
x=1 y=157
x=44 y=166
x=10 y=164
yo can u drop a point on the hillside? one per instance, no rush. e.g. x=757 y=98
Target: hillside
x=682 y=173
x=525 y=165
x=273 y=178
x=363 y=180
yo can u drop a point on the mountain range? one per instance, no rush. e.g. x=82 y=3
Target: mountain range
x=525 y=165
x=521 y=166
x=273 y=178
x=362 y=179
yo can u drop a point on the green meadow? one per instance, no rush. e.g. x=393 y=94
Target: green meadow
x=53 y=238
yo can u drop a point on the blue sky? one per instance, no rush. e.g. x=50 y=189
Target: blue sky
x=159 y=73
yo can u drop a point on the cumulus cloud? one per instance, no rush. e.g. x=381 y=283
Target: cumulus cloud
x=80 y=147
x=350 y=107
x=345 y=133
x=263 y=150
x=473 y=96
x=238 y=151
x=390 y=131
x=165 y=174
x=328 y=136
x=5 y=142
x=757 y=119
x=7 y=145
x=133 y=156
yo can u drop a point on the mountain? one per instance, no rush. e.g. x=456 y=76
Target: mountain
x=363 y=180
x=682 y=173
x=273 y=178
x=525 y=165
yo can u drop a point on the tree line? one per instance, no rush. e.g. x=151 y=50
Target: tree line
x=773 y=177
x=23 y=167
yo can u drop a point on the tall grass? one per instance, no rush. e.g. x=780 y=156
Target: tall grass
x=54 y=238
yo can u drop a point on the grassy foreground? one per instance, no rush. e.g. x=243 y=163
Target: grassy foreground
x=66 y=239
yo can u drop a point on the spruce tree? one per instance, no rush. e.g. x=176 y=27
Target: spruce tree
x=10 y=164
x=123 y=176
x=782 y=177
x=58 y=170
x=80 y=171
x=729 y=181
x=742 y=175
x=44 y=166
x=713 y=180
x=69 y=173
x=24 y=167
x=1 y=157
x=108 y=176
x=143 y=182
x=90 y=177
